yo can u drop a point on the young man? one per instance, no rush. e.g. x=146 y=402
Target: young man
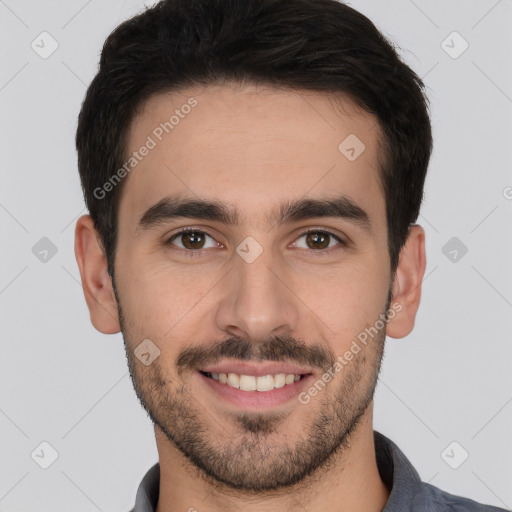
x=253 y=172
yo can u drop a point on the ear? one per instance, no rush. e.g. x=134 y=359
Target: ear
x=96 y=282
x=407 y=283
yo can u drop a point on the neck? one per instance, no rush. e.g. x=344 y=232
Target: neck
x=350 y=481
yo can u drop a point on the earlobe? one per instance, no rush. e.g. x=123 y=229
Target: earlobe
x=407 y=284
x=96 y=281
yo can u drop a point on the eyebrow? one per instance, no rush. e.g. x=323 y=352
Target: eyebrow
x=172 y=207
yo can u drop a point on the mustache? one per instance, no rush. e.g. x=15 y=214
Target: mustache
x=279 y=348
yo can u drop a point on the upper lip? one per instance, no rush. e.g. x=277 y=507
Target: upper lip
x=255 y=369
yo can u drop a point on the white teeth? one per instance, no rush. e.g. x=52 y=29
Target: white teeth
x=247 y=383
x=265 y=383
x=252 y=383
x=234 y=380
x=279 y=380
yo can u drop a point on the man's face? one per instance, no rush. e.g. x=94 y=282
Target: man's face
x=258 y=296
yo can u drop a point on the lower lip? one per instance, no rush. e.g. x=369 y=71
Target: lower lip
x=257 y=400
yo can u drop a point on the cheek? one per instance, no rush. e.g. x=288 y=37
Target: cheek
x=340 y=300
x=166 y=303
x=349 y=301
x=146 y=297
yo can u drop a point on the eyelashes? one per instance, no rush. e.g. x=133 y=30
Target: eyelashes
x=315 y=234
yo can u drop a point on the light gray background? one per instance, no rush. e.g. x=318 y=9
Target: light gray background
x=64 y=383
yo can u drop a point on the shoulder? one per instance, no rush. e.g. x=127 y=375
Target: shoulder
x=408 y=492
x=437 y=499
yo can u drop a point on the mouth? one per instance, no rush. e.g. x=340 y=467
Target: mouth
x=255 y=383
x=252 y=386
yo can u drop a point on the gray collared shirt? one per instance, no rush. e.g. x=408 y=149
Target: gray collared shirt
x=408 y=492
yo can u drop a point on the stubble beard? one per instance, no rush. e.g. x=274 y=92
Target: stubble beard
x=248 y=453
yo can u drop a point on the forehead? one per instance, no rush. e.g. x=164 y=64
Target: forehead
x=252 y=147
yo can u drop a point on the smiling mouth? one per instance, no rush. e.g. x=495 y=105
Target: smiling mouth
x=253 y=383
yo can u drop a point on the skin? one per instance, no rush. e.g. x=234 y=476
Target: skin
x=252 y=148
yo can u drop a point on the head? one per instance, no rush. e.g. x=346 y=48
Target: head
x=295 y=142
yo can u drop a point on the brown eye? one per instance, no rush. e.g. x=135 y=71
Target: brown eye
x=191 y=239
x=318 y=240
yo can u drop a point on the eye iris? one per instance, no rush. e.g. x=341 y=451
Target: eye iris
x=195 y=240
x=315 y=237
x=192 y=240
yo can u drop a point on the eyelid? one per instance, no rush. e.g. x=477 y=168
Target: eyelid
x=188 y=229
x=343 y=241
x=316 y=229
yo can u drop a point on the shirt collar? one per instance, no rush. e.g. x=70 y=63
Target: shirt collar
x=397 y=473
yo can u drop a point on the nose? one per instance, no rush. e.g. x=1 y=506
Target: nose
x=258 y=300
